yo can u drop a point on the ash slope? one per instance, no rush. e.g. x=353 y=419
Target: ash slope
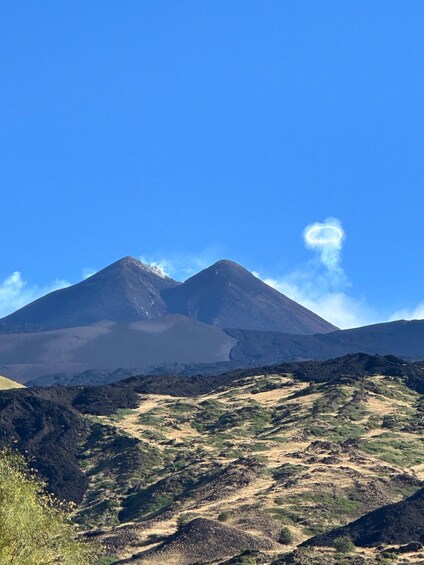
x=112 y=345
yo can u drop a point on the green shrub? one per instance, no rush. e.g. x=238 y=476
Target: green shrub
x=390 y=422
x=224 y=516
x=244 y=560
x=35 y=528
x=285 y=537
x=343 y=544
x=286 y=471
x=184 y=519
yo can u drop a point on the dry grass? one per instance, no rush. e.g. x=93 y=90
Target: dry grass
x=6 y=383
x=329 y=481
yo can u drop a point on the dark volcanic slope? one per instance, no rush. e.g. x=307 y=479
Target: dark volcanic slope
x=398 y=523
x=402 y=338
x=228 y=296
x=88 y=377
x=49 y=433
x=126 y=291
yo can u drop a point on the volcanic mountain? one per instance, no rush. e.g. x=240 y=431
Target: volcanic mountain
x=226 y=295
x=132 y=315
x=126 y=291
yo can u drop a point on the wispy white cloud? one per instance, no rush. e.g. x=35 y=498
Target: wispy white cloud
x=15 y=292
x=88 y=272
x=337 y=307
x=415 y=313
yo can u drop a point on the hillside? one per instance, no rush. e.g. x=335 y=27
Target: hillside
x=270 y=451
x=397 y=523
x=307 y=447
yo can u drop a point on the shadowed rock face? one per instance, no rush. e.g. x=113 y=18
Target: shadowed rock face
x=126 y=291
x=228 y=296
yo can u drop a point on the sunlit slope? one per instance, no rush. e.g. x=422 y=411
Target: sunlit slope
x=270 y=451
x=6 y=384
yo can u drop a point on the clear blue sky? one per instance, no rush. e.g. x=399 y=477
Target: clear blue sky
x=214 y=128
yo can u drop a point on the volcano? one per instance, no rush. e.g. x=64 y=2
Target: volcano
x=224 y=295
x=227 y=295
x=126 y=291
x=132 y=315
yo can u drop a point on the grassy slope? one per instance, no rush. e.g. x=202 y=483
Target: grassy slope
x=269 y=452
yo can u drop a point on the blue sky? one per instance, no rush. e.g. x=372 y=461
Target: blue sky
x=184 y=132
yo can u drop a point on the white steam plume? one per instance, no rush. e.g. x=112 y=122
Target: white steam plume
x=326 y=239
x=320 y=284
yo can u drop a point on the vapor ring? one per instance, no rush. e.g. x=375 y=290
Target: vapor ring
x=319 y=235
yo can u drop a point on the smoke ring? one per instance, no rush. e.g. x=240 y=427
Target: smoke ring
x=324 y=234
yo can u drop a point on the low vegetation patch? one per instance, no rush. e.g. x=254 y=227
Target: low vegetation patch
x=395 y=449
x=35 y=528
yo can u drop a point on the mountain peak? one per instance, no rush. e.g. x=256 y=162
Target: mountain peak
x=226 y=264
x=226 y=270
x=125 y=291
x=127 y=259
x=130 y=262
x=229 y=296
